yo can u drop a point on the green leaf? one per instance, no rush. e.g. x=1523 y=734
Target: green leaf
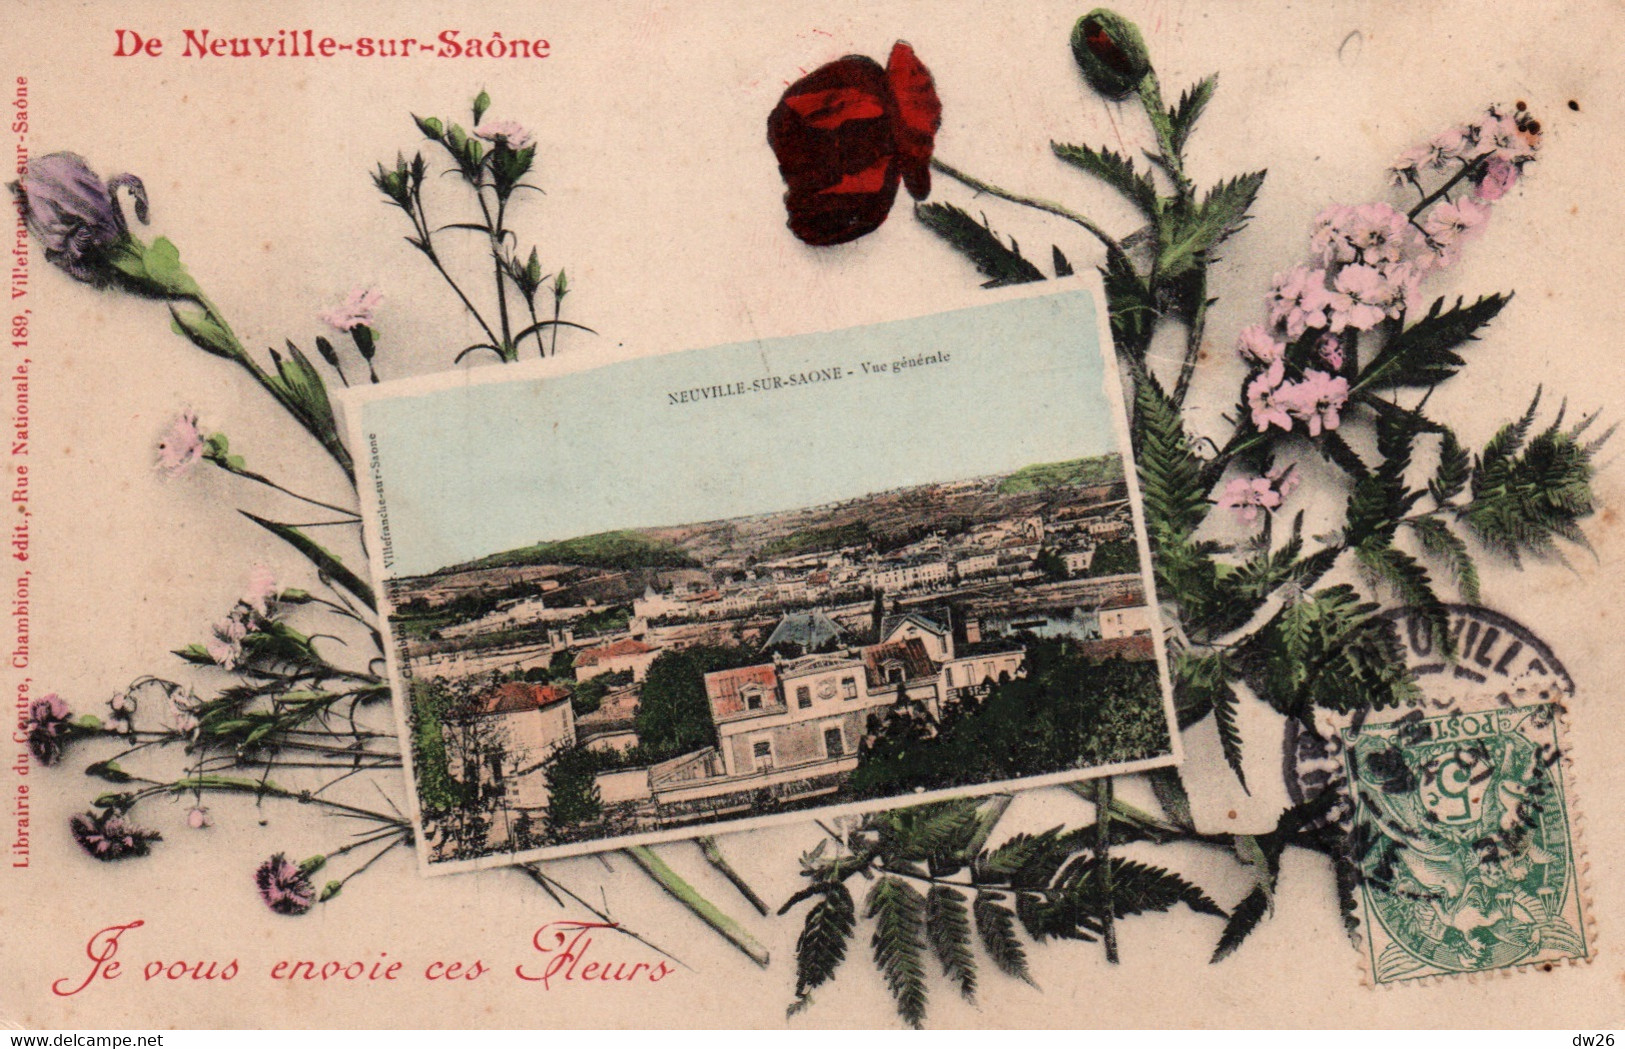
x=1243 y=920
x=1190 y=237
x=996 y=925
x=1139 y=888
x=1170 y=474
x=821 y=947
x=109 y=771
x=977 y=242
x=1183 y=117
x=1131 y=305
x=201 y=330
x=1224 y=716
x=1527 y=493
x=1116 y=171
x=1454 y=469
x=1438 y=540
x=162 y=261
x=1059 y=262
x=195 y=653
x=926 y=832
x=947 y=926
x=1425 y=353
x=1411 y=585
x=482 y=102
x=899 y=913
x=325 y=561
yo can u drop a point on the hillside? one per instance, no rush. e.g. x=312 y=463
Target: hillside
x=1099 y=469
x=620 y=549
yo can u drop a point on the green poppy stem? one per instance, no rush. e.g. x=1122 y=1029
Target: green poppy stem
x=702 y=908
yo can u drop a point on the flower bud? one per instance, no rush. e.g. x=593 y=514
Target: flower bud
x=73 y=214
x=1110 y=52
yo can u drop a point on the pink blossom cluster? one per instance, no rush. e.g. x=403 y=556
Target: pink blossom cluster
x=1368 y=261
x=1247 y=496
x=252 y=611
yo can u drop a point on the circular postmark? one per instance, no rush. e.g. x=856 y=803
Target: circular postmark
x=1454 y=809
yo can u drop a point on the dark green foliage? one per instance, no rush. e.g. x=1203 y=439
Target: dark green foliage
x=996 y=925
x=674 y=716
x=1062 y=267
x=1445 y=545
x=1116 y=171
x=1454 y=469
x=898 y=911
x=1115 y=557
x=1243 y=920
x=808 y=540
x=1170 y=474
x=821 y=947
x=1189 y=234
x=947 y=926
x=1048 y=885
x=978 y=243
x=1132 y=307
x=1183 y=117
x=588 y=695
x=1425 y=353
x=1330 y=650
x=1528 y=492
x=573 y=797
x=1066 y=713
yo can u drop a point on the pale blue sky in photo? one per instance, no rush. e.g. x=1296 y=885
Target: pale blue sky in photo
x=479 y=469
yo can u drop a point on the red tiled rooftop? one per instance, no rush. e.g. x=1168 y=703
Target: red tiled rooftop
x=626 y=646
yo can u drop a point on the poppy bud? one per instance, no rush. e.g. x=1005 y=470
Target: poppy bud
x=1110 y=52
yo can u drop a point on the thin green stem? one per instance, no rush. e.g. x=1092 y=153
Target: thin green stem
x=550 y=884
x=262 y=479
x=426 y=245
x=701 y=907
x=1048 y=206
x=713 y=856
x=1103 y=845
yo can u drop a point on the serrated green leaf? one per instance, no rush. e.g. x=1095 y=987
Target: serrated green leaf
x=1115 y=170
x=1224 y=717
x=821 y=947
x=1527 y=493
x=1425 y=353
x=1131 y=306
x=1437 y=539
x=1183 y=117
x=1454 y=469
x=1243 y=920
x=1059 y=262
x=1410 y=583
x=1190 y=237
x=1139 y=888
x=947 y=926
x=996 y=925
x=898 y=910
x=978 y=243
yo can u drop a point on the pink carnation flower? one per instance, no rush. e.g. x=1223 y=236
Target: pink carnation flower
x=47 y=728
x=1257 y=345
x=108 y=836
x=1248 y=495
x=284 y=887
x=1316 y=400
x=1299 y=300
x=356 y=310
x=504 y=133
x=1264 y=397
x=226 y=646
x=262 y=590
x=181 y=446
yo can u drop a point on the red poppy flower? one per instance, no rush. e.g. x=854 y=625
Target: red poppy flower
x=846 y=134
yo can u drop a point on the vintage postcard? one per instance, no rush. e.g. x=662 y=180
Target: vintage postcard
x=754 y=582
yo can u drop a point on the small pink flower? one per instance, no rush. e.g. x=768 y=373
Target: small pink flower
x=108 y=836
x=356 y=310
x=1257 y=345
x=1457 y=143
x=1499 y=176
x=262 y=590
x=1362 y=298
x=504 y=133
x=284 y=887
x=1370 y=233
x=1248 y=495
x=1329 y=348
x=226 y=647
x=1264 y=397
x=1316 y=400
x=181 y=446
x=47 y=728
x=1299 y=300
x=1451 y=224
x=197 y=817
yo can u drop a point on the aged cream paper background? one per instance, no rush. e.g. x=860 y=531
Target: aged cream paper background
x=663 y=203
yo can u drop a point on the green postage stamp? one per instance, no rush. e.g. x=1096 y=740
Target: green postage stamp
x=1462 y=837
